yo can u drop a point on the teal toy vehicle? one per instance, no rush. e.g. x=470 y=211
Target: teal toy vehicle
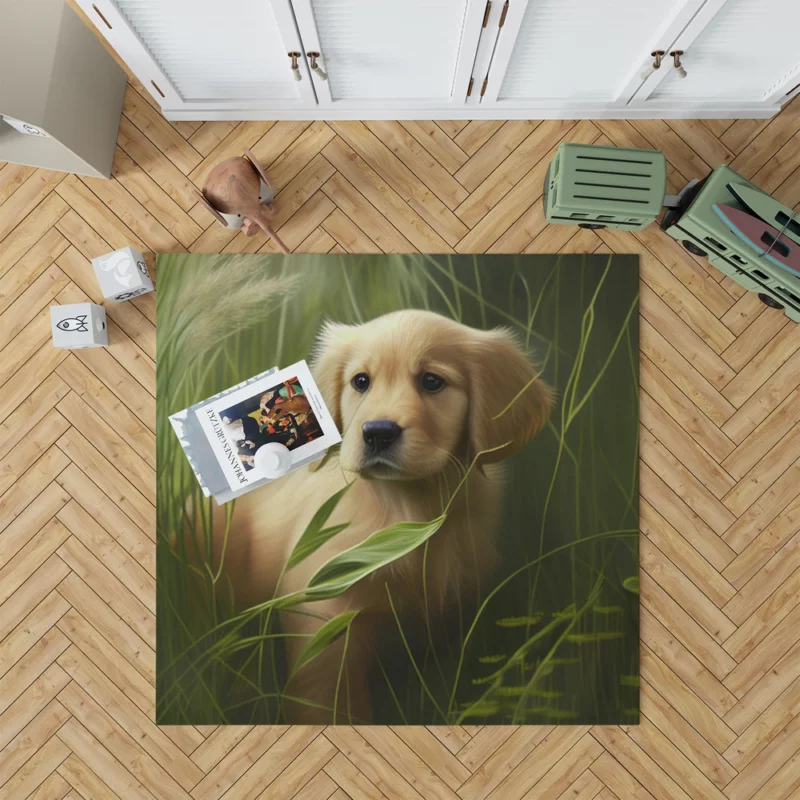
x=696 y=225
x=605 y=187
x=624 y=188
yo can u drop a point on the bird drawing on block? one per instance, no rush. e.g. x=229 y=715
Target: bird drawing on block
x=233 y=187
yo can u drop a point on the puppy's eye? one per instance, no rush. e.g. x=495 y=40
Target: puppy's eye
x=432 y=382
x=360 y=382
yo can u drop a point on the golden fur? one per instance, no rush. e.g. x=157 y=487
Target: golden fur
x=442 y=432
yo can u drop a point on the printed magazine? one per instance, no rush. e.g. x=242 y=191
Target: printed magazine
x=279 y=406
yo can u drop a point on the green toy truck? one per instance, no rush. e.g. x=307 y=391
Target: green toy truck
x=605 y=187
x=623 y=188
x=701 y=231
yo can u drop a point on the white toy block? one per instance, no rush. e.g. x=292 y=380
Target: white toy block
x=122 y=274
x=78 y=326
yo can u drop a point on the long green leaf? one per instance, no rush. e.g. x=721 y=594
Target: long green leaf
x=306 y=546
x=315 y=534
x=337 y=575
x=324 y=637
x=380 y=549
x=598 y=636
x=631 y=584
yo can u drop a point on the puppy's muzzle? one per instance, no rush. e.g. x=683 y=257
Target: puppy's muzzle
x=379 y=435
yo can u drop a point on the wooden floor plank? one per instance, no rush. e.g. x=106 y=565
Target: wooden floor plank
x=692 y=635
x=475 y=134
x=25 y=199
x=391 y=172
x=235 y=762
x=684 y=556
x=31 y=266
x=500 y=208
x=31 y=629
x=30 y=232
x=685 y=593
x=419 y=161
x=159 y=131
x=437 y=143
x=493 y=152
x=107 y=777
x=153 y=161
x=156 y=778
x=685 y=702
x=31 y=702
x=209 y=134
x=90 y=606
x=34 y=736
x=618 y=781
x=288 y=146
x=102 y=546
x=684 y=737
x=649 y=774
x=12 y=176
x=165 y=210
x=683 y=518
x=501 y=180
x=37 y=768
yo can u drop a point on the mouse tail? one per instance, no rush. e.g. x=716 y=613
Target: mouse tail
x=263 y=223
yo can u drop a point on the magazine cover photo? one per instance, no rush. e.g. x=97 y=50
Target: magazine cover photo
x=282 y=414
x=458 y=543
x=278 y=409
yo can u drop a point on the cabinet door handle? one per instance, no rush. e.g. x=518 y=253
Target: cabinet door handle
x=295 y=66
x=100 y=14
x=313 y=56
x=676 y=60
x=657 y=56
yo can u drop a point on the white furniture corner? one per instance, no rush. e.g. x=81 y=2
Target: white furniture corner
x=58 y=78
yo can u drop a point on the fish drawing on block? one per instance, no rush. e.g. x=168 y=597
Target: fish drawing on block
x=763 y=238
x=77 y=324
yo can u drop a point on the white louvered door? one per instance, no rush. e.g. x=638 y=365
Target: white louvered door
x=208 y=54
x=735 y=50
x=565 y=53
x=387 y=54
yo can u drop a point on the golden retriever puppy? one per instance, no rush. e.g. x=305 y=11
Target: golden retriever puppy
x=417 y=397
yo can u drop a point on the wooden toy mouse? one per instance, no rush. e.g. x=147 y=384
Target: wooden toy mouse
x=233 y=190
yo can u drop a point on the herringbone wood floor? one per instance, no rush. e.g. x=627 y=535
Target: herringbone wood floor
x=720 y=412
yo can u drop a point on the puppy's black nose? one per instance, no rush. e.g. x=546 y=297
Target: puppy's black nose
x=380 y=434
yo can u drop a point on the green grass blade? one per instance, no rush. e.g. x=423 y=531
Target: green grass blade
x=323 y=638
x=308 y=545
x=378 y=550
x=315 y=534
x=411 y=657
x=632 y=584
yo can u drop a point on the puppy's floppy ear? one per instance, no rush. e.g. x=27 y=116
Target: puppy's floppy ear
x=503 y=382
x=330 y=352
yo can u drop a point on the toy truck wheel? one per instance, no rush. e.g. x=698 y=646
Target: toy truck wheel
x=592 y=226
x=769 y=301
x=693 y=248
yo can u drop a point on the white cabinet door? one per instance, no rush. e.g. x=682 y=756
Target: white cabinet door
x=575 y=54
x=384 y=54
x=735 y=51
x=211 y=55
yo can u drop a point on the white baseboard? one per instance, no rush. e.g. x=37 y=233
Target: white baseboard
x=374 y=111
